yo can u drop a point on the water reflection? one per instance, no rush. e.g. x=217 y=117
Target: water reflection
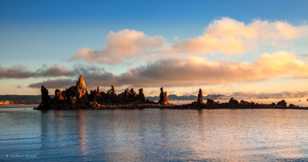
x=155 y=135
x=82 y=132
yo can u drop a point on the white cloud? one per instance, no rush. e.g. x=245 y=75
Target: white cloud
x=224 y=36
x=230 y=36
x=197 y=71
x=122 y=45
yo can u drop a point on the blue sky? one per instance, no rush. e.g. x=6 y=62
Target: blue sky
x=41 y=32
x=145 y=12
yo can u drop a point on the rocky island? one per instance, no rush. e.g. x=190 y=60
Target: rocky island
x=78 y=97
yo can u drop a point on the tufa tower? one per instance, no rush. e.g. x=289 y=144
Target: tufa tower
x=81 y=87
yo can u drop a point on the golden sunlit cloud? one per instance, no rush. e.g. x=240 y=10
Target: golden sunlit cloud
x=197 y=71
x=120 y=46
x=230 y=36
x=224 y=36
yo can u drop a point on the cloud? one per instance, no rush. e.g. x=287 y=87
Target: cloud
x=52 y=71
x=120 y=46
x=21 y=72
x=230 y=36
x=56 y=83
x=199 y=71
x=222 y=36
x=278 y=95
x=94 y=75
x=14 y=72
x=93 y=80
x=195 y=71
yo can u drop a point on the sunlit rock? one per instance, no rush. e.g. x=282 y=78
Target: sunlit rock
x=81 y=87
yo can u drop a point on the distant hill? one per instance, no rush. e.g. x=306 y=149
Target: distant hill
x=20 y=99
x=188 y=97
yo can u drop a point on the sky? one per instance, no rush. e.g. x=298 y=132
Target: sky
x=220 y=46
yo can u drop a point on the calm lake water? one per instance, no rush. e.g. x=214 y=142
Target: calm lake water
x=153 y=135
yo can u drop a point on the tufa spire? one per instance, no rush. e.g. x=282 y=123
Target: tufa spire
x=81 y=83
x=81 y=86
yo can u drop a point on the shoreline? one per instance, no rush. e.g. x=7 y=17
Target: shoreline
x=167 y=107
x=18 y=105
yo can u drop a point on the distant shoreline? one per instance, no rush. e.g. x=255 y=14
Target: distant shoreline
x=108 y=109
x=169 y=107
x=141 y=107
x=17 y=105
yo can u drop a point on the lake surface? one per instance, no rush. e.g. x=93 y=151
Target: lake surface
x=153 y=135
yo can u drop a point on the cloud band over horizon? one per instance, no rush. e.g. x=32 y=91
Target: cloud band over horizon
x=189 y=72
x=183 y=62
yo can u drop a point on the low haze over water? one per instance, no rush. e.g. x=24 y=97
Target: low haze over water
x=153 y=135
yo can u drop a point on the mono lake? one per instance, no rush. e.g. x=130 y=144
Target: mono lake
x=153 y=135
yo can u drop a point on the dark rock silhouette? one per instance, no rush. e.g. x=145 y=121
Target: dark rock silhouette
x=210 y=102
x=77 y=97
x=233 y=103
x=111 y=91
x=45 y=98
x=281 y=104
x=58 y=95
x=200 y=97
x=163 y=97
x=141 y=96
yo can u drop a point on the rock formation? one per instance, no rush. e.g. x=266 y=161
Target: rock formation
x=281 y=104
x=77 y=97
x=210 y=102
x=111 y=91
x=163 y=97
x=45 y=99
x=81 y=87
x=200 y=97
x=58 y=95
x=141 y=96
